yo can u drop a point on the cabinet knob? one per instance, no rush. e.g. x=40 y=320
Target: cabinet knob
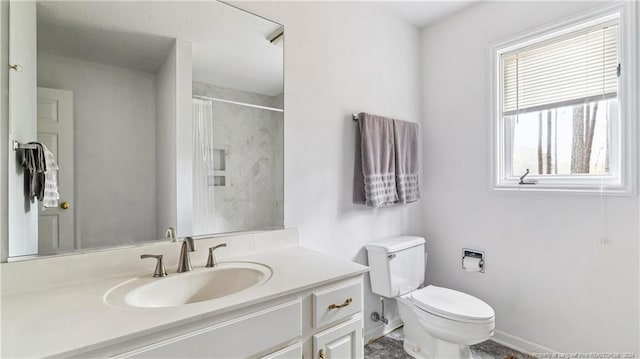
x=321 y=354
x=65 y=205
x=16 y=68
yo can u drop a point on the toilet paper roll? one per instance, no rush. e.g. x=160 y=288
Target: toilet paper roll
x=471 y=264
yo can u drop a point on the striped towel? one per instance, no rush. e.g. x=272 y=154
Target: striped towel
x=407 y=160
x=51 y=194
x=376 y=182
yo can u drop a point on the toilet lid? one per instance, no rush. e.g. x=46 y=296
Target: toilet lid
x=452 y=304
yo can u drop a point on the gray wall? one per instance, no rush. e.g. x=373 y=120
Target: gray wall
x=115 y=144
x=253 y=138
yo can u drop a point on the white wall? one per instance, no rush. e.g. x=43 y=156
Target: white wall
x=114 y=154
x=174 y=141
x=549 y=278
x=22 y=126
x=4 y=130
x=184 y=137
x=166 y=145
x=341 y=58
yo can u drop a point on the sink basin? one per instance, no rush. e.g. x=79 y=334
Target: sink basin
x=199 y=285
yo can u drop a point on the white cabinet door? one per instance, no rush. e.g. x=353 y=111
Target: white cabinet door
x=343 y=341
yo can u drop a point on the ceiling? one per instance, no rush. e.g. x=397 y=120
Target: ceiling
x=424 y=12
x=229 y=45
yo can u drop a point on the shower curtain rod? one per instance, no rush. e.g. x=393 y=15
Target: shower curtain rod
x=238 y=103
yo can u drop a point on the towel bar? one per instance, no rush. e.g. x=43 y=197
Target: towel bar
x=23 y=146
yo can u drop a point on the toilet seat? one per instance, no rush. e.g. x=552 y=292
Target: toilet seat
x=451 y=304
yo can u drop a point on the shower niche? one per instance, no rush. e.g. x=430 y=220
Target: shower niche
x=219 y=176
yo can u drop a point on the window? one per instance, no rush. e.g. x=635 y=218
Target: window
x=559 y=113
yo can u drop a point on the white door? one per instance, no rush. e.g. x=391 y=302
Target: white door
x=55 y=130
x=343 y=341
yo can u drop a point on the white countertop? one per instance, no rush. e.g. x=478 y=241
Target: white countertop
x=72 y=319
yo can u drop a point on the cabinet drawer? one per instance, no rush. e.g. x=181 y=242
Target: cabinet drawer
x=238 y=338
x=336 y=303
x=290 y=352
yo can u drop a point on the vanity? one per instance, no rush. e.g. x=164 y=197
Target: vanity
x=167 y=135
x=310 y=306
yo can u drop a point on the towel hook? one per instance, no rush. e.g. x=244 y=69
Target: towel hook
x=16 y=68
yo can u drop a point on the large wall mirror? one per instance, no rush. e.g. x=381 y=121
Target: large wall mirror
x=158 y=114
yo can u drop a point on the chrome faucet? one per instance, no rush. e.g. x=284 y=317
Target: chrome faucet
x=188 y=245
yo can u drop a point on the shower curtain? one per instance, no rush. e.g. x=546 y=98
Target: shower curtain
x=203 y=153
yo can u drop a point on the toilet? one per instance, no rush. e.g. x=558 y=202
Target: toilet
x=439 y=322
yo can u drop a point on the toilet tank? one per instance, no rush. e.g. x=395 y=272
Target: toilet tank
x=396 y=265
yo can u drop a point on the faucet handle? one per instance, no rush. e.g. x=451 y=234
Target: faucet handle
x=160 y=270
x=170 y=234
x=211 y=261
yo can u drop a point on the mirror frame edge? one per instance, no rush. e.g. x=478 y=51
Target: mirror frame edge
x=4 y=131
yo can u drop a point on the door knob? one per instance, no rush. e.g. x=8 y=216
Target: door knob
x=321 y=354
x=65 y=205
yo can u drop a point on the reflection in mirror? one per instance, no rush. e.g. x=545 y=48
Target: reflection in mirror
x=172 y=121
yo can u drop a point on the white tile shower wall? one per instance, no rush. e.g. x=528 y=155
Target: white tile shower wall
x=252 y=197
x=549 y=277
x=341 y=58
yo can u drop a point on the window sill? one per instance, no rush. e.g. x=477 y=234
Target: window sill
x=586 y=189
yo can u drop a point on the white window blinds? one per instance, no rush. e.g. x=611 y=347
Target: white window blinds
x=563 y=71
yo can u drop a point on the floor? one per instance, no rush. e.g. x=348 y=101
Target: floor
x=390 y=347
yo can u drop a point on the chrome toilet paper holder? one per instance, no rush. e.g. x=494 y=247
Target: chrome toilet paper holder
x=472 y=253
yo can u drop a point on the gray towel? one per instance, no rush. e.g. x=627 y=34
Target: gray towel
x=407 y=161
x=33 y=161
x=378 y=162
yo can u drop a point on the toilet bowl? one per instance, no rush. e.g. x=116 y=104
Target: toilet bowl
x=439 y=323
x=446 y=326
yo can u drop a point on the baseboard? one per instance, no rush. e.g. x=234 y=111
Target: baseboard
x=519 y=344
x=382 y=330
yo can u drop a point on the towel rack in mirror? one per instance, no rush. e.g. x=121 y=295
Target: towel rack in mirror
x=23 y=146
